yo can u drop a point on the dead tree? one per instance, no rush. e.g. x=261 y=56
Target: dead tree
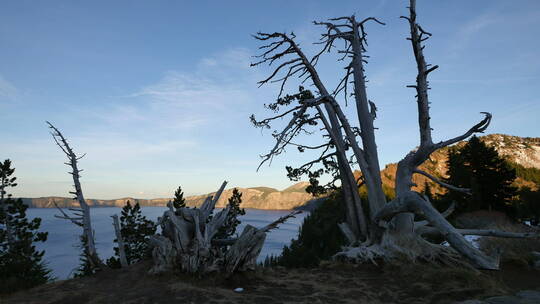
x=388 y=231
x=120 y=241
x=188 y=242
x=81 y=216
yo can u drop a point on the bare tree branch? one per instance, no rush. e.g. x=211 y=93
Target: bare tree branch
x=280 y=220
x=478 y=128
x=445 y=214
x=443 y=184
x=282 y=135
x=431 y=231
x=84 y=221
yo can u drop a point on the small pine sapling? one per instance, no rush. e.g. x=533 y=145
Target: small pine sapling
x=179 y=201
x=232 y=221
x=136 y=230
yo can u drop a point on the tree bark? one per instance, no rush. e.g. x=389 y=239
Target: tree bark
x=431 y=231
x=120 y=241
x=82 y=219
x=412 y=202
x=356 y=219
x=188 y=241
x=376 y=196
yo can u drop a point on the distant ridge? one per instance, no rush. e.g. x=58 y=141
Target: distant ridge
x=524 y=151
x=257 y=197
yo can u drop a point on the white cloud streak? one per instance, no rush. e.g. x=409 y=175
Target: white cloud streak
x=7 y=89
x=186 y=99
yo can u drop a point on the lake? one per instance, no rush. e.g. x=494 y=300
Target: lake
x=61 y=247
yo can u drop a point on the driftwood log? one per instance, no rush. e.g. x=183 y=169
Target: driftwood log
x=187 y=242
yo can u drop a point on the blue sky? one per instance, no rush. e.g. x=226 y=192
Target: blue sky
x=158 y=93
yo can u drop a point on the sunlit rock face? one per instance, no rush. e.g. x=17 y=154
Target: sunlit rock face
x=521 y=150
x=257 y=198
x=263 y=197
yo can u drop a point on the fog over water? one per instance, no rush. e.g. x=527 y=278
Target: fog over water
x=62 y=253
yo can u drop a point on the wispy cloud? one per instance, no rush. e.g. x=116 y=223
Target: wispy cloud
x=219 y=84
x=7 y=89
x=471 y=29
x=498 y=19
x=186 y=90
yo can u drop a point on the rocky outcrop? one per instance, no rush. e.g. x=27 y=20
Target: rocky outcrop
x=521 y=150
x=257 y=198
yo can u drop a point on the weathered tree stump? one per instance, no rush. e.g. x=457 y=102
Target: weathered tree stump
x=187 y=241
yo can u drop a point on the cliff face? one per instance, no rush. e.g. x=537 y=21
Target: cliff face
x=521 y=150
x=257 y=198
x=262 y=197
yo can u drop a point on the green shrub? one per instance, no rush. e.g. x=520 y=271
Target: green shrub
x=229 y=227
x=136 y=230
x=319 y=237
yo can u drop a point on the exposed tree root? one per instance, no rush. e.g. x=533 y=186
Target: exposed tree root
x=399 y=249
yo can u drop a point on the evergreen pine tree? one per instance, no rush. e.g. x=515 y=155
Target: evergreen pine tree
x=136 y=230
x=319 y=237
x=85 y=265
x=232 y=221
x=480 y=168
x=179 y=201
x=21 y=264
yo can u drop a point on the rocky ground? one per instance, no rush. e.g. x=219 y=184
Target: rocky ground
x=329 y=283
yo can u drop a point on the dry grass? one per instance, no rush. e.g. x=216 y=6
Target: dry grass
x=329 y=283
x=511 y=250
x=483 y=219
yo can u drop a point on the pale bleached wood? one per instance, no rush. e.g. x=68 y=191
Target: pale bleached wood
x=443 y=184
x=431 y=231
x=163 y=254
x=85 y=220
x=303 y=66
x=346 y=230
x=188 y=241
x=119 y=241
x=413 y=202
x=446 y=213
